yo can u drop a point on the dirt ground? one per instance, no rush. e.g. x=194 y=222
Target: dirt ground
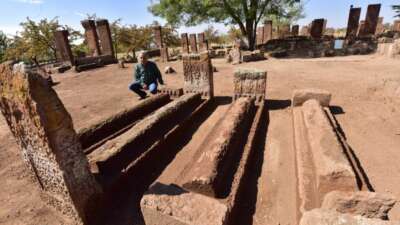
x=366 y=96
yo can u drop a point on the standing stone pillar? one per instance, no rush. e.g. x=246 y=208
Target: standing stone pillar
x=193 y=43
x=203 y=43
x=295 y=30
x=198 y=74
x=352 y=25
x=267 y=31
x=185 y=43
x=260 y=36
x=380 y=28
x=396 y=26
x=44 y=131
x=371 y=20
x=283 y=31
x=63 y=47
x=106 y=43
x=91 y=37
x=317 y=28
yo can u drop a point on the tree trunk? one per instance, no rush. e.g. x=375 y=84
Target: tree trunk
x=250 y=34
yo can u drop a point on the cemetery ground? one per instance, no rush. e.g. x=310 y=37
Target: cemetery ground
x=365 y=100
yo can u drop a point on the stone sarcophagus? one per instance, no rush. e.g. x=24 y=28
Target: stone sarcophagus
x=250 y=83
x=198 y=74
x=44 y=131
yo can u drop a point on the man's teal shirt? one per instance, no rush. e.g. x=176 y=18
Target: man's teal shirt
x=147 y=74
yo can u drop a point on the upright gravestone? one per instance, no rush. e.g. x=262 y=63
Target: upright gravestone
x=267 y=31
x=185 y=43
x=352 y=24
x=371 y=20
x=250 y=83
x=284 y=31
x=91 y=37
x=260 y=36
x=198 y=74
x=63 y=47
x=104 y=33
x=380 y=27
x=305 y=31
x=193 y=43
x=44 y=131
x=317 y=28
x=203 y=43
x=158 y=36
x=295 y=30
x=396 y=26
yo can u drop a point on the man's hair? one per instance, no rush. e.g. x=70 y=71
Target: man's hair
x=144 y=54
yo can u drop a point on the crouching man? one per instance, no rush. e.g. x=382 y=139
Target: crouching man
x=147 y=76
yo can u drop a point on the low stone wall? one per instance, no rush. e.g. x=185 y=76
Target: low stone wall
x=118 y=122
x=116 y=154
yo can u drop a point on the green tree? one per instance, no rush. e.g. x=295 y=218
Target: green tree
x=246 y=14
x=4 y=43
x=212 y=35
x=396 y=8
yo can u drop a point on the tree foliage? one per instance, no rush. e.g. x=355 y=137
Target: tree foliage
x=396 y=8
x=246 y=14
x=4 y=43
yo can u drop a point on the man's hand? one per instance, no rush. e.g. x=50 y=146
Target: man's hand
x=145 y=87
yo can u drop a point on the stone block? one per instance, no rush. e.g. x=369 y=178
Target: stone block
x=44 y=131
x=203 y=43
x=91 y=37
x=64 y=53
x=371 y=20
x=185 y=43
x=295 y=30
x=249 y=83
x=260 y=36
x=317 y=28
x=198 y=74
x=267 y=31
x=396 y=26
x=363 y=203
x=301 y=96
x=193 y=43
x=326 y=217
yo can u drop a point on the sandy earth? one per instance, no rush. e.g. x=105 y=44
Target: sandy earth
x=365 y=92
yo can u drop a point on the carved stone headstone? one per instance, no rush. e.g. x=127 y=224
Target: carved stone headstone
x=371 y=20
x=193 y=43
x=267 y=31
x=185 y=43
x=295 y=30
x=64 y=52
x=317 y=28
x=198 y=74
x=203 y=43
x=352 y=25
x=283 y=31
x=250 y=83
x=91 y=37
x=104 y=33
x=260 y=36
x=44 y=131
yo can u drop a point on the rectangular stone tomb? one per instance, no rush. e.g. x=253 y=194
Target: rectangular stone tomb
x=198 y=74
x=322 y=165
x=172 y=204
x=44 y=131
x=250 y=83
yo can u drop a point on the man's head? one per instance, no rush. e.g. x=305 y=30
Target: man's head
x=143 y=57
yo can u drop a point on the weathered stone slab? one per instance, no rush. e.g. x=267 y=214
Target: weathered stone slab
x=295 y=30
x=172 y=92
x=93 y=134
x=185 y=43
x=301 y=96
x=106 y=43
x=249 y=83
x=44 y=131
x=203 y=43
x=305 y=31
x=208 y=173
x=352 y=25
x=158 y=36
x=260 y=35
x=396 y=26
x=371 y=20
x=380 y=28
x=198 y=74
x=116 y=154
x=267 y=31
x=100 y=60
x=64 y=52
x=283 y=31
x=332 y=168
x=235 y=55
x=326 y=217
x=317 y=28
x=252 y=56
x=361 y=28
x=91 y=37
x=153 y=53
x=193 y=43
x=363 y=203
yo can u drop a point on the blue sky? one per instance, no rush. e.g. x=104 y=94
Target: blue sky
x=70 y=12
